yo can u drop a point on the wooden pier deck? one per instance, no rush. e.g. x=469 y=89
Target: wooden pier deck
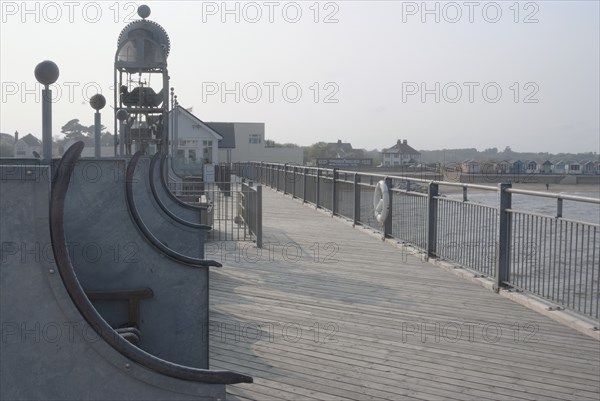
x=359 y=319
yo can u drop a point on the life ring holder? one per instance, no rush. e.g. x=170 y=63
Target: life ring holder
x=381 y=201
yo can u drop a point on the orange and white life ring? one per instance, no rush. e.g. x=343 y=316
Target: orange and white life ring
x=381 y=201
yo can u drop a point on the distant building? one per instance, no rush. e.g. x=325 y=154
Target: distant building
x=470 y=167
x=531 y=166
x=342 y=150
x=518 y=167
x=400 y=154
x=195 y=144
x=547 y=167
x=25 y=146
x=504 y=167
x=589 y=167
x=560 y=167
x=574 y=167
x=243 y=142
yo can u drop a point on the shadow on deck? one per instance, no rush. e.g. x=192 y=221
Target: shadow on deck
x=326 y=312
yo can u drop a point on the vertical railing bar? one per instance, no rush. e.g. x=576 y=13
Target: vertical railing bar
x=356 y=199
x=304 y=185
x=334 y=189
x=432 y=192
x=592 y=289
x=577 y=268
x=317 y=189
x=504 y=235
x=587 y=271
x=552 y=261
x=543 y=260
x=581 y=268
x=570 y=260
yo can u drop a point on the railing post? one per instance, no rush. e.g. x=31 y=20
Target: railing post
x=503 y=237
x=356 y=199
x=317 y=188
x=294 y=182
x=277 y=179
x=432 y=192
x=333 y=192
x=387 y=226
x=304 y=185
x=285 y=166
x=259 y=242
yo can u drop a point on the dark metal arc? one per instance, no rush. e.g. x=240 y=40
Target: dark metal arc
x=164 y=169
x=85 y=307
x=194 y=262
x=163 y=206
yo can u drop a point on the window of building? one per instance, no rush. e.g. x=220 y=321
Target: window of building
x=189 y=143
x=192 y=155
x=207 y=149
x=255 y=138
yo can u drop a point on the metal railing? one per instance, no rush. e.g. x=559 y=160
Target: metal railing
x=250 y=210
x=234 y=208
x=548 y=255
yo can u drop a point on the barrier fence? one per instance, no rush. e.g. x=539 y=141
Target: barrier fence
x=550 y=255
x=234 y=207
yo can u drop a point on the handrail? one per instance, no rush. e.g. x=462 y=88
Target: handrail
x=164 y=207
x=89 y=312
x=194 y=262
x=554 y=195
x=164 y=168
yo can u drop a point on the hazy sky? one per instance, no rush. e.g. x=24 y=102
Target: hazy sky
x=485 y=74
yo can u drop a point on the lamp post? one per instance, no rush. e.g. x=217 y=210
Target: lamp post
x=97 y=102
x=122 y=116
x=46 y=73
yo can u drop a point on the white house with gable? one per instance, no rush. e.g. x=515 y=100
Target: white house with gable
x=195 y=144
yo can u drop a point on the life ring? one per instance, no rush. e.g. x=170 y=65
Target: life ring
x=381 y=201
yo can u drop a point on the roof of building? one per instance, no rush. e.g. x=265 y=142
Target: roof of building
x=227 y=131
x=403 y=148
x=31 y=140
x=341 y=150
x=7 y=137
x=193 y=117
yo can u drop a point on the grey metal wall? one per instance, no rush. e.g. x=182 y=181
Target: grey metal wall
x=113 y=256
x=47 y=350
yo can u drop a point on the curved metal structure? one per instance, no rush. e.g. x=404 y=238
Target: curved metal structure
x=111 y=253
x=167 y=231
x=155 y=188
x=56 y=344
x=85 y=307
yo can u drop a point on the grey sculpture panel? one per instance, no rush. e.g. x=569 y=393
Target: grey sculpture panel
x=186 y=240
x=48 y=352
x=109 y=253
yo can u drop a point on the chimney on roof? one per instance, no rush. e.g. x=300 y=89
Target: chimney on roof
x=339 y=141
x=398 y=142
x=16 y=136
x=405 y=142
